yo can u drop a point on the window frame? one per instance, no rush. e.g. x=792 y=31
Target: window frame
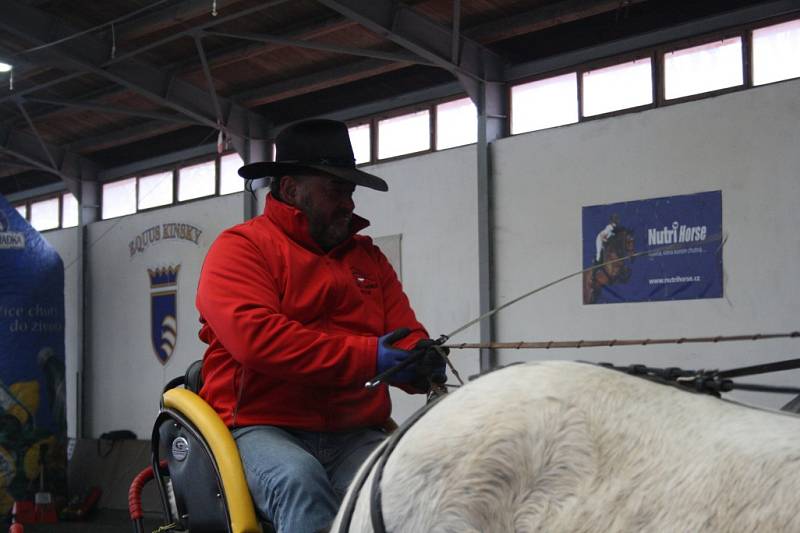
x=135 y=198
x=761 y=25
x=44 y=198
x=147 y=174
x=435 y=111
x=61 y=210
x=656 y=54
x=540 y=77
x=394 y=113
x=23 y=203
x=700 y=41
x=219 y=175
x=610 y=62
x=368 y=121
x=190 y=163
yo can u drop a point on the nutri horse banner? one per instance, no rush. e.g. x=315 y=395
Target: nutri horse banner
x=682 y=238
x=32 y=385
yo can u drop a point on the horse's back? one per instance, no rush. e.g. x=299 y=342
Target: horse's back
x=575 y=447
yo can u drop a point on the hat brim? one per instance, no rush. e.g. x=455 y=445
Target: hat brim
x=264 y=169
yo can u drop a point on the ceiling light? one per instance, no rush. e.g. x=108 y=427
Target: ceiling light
x=5 y=67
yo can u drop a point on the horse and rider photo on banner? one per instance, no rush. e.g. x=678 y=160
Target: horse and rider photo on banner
x=653 y=250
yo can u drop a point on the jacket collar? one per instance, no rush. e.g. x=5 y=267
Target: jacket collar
x=294 y=224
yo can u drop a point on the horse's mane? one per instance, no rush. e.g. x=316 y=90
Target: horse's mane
x=617 y=240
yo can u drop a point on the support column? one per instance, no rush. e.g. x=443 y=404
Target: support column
x=254 y=150
x=492 y=104
x=88 y=212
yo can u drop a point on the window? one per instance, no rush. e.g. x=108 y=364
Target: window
x=617 y=87
x=456 y=124
x=22 y=209
x=704 y=68
x=155 y=190
x=405 y=134
x=69 y=211
x=545 y=103
x=44 y=214
x=775 y=52
x=229 y=179
x=119 y=198
x=359 y=138
x=197 y=181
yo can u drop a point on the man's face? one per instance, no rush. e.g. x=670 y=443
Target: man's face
x=327 y=202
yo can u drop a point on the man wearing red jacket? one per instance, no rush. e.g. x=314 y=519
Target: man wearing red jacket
x=298 y=312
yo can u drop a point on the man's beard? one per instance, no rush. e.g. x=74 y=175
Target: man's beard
x=327 y=234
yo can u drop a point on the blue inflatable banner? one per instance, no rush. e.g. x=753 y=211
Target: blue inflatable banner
x=32 y=385
x=682 y=235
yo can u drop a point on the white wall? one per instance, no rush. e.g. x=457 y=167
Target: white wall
x=745 y=144
x=432 y=204
x=66 y=243
x=124 y=376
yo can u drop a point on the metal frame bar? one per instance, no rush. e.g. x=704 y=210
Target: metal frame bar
x=424 y=37
x=314 y=82
x=212 y=91
x=274 y=39
x=455 y=30
x=88 y=53
x=492 y=125
x=72 y=169
x=36 y=134
x=110 y=109
x=687 y=30
x=132 y=53
x=543 y=17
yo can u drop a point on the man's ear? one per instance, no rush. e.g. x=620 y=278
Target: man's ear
x=288 y=188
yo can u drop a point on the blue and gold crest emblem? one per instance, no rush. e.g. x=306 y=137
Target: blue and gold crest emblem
x=164 y=310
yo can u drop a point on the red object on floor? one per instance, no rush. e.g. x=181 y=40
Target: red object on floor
x=28 y=512
x=16 y=528
x=24 y=512
x=46 y=514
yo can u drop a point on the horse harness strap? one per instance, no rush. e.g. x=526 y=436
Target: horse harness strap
x=713 y=381
x=378 y=461
x=777 y=366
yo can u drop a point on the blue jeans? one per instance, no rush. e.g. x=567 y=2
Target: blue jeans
x=298 y=478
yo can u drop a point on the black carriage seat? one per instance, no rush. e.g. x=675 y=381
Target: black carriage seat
x=205 y=469
x=193 y=379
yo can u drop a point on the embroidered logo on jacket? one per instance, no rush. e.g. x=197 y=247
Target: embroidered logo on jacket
x=363 y=281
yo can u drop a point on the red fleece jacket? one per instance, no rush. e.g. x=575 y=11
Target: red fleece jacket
x=291 y=330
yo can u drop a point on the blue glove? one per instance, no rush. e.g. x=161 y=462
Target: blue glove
x=389 y=356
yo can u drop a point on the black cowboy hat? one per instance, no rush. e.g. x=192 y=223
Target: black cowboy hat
x=318 y=144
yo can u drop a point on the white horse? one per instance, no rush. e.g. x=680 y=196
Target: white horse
x=574 y=447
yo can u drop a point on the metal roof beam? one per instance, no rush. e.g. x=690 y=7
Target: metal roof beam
x=69 y=166
x=41 y=190
x=5 y=95
x=544 y=17
x=317 y=81
x=325 y=47
x=123 y=136
x=89 y=106
x=234 y=54
x=437 y=92
x=178 y=13
x=731 y=19
x=426 y=38
x=89 y=53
